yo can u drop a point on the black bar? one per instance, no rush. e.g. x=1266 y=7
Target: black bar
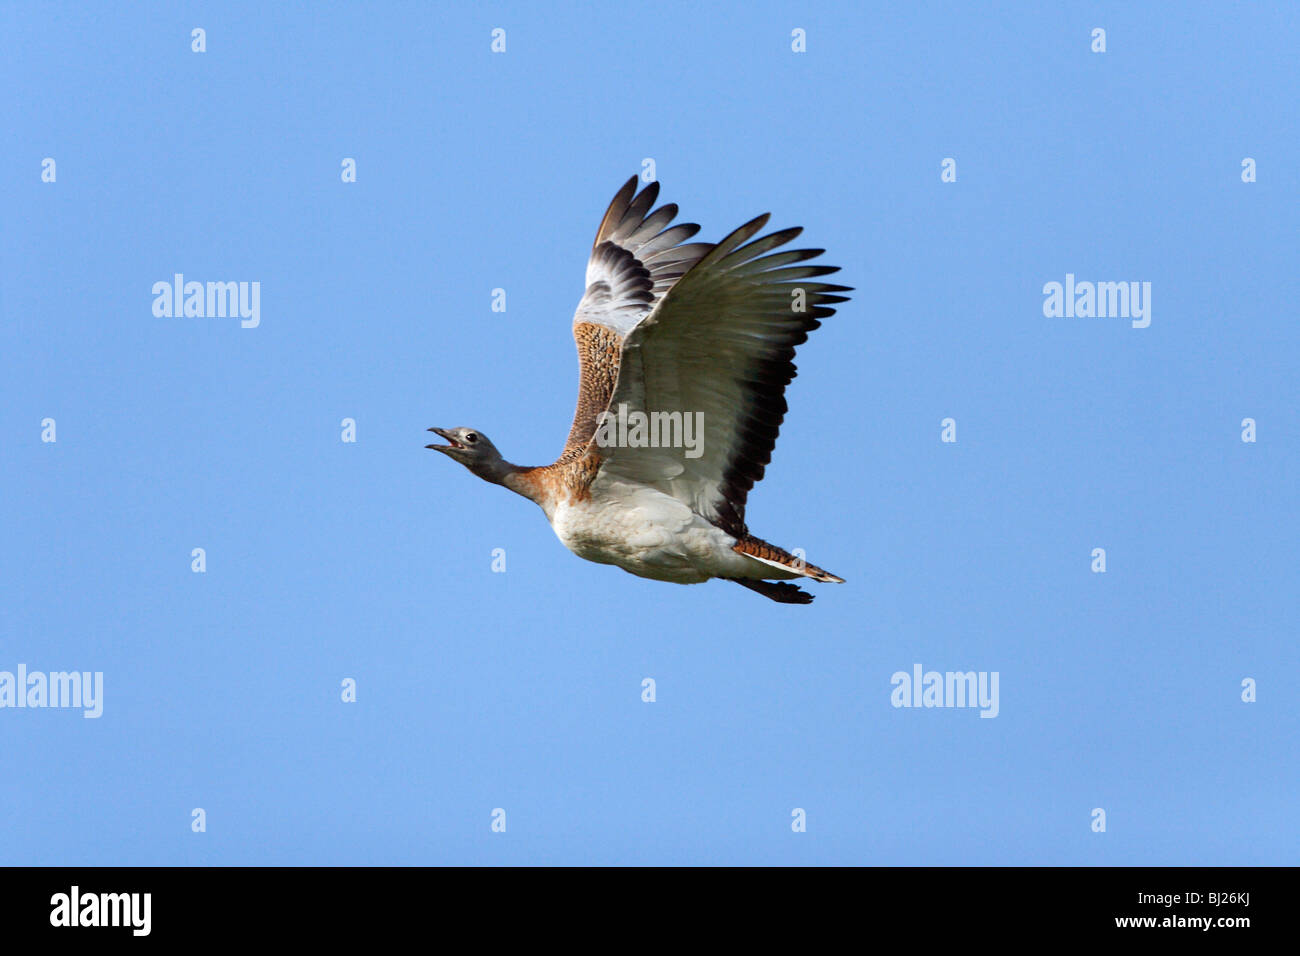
x=372 y=904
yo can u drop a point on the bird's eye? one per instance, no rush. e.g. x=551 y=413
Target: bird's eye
x=471 y=437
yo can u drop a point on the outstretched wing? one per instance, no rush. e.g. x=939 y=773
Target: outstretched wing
x=718 y=346
x=635 y=260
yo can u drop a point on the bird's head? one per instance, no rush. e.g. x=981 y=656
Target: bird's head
x=471 y=448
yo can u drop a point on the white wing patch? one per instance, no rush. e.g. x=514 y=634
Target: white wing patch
x=721 y=344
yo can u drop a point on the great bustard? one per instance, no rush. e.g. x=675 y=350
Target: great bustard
x=684 y=352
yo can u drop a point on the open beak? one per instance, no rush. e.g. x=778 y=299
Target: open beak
x=443 y=433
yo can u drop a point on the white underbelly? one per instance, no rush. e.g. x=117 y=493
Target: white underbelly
x=648 y=533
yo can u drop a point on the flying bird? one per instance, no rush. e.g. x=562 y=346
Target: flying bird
x=684 y=353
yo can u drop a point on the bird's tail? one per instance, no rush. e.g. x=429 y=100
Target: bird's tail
x=760 y=550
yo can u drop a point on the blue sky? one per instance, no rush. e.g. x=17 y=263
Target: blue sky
x=521 y=690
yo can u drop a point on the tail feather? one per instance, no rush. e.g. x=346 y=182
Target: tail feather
x=760 y=550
